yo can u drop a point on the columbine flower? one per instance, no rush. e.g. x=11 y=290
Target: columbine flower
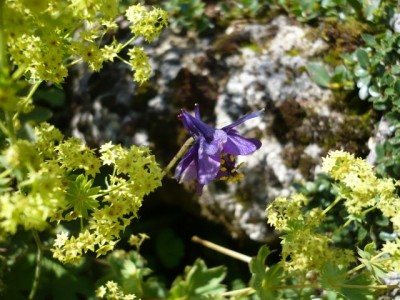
x=212 y=156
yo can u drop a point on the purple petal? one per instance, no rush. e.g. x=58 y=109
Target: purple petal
x=238 y=145
x=242 y=120
x=208 y=165
x=187 y=121
x=187 y=164
x=215 y=145
x=197 y=127
x=190 y=173
x=196 y=111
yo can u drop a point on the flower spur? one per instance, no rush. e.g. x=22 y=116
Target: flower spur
x=212 y=155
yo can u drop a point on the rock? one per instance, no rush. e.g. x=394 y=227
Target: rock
x=249 y=67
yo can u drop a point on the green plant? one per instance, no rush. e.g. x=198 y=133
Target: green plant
x=305 y=10
x=188 y=14
x=237 y=9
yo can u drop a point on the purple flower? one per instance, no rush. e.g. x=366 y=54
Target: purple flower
x=212 y=156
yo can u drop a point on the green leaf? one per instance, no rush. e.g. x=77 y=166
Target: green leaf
x=199 y=282
x=360 y=71
x=53 y=96
x=364 y=81
x=263 y=279
x=356 y=293
x=395 y=69
x=374 y=91
x=362 y=57
x=379 y=104
x=38 y=114
x=397 y=87
x=319 y=74
x=170 y=248
x=130 y=270
x=363 y=92
x=369 y=39
x=387 y=236
x=332 y=277
x=81 y=196
x=366 y=255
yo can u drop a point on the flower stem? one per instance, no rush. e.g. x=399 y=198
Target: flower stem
x=246 y=291
x=331 y=205
x=3 y=55
x=74 y=62
x=129 y=41
x=180 y=153
x=38 y=268
x=222 y=250
x=361 y=266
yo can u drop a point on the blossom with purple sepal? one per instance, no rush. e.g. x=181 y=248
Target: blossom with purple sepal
x=213 y=152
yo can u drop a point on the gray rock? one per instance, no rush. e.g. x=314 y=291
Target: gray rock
x=230 y=78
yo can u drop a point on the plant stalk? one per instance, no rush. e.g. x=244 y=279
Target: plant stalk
x=331 y=205
x=221 y=249
x=38 y=269
x=3 y=54
x=180 y=153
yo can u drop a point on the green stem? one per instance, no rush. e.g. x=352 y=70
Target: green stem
x=5 y=173
x=106 y=192
x=74 y=62
x=359 y=267
x=3 y=44
x=124 y=60
x=180 y=153
x=9 y=124
x=18 y=72
x=348 y=222
x=331 y=205
x=28 y=97
x=38 y=269
x=32 y=90
x=4 y=128
x=374 y=287
x=246 y=291
x=296 y=286
x=128 y=42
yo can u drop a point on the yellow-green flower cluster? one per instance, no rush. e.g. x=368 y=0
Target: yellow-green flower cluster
x=39 y=190
x=140 y=64
x=146 y=23
x=74 y=155
x=393 y=249
x=92 y=9
x=357 y=178
x=44 y=37
x=112 y=291
x=139 y=175
x=303 y=249
x=285 y=210
x=137 y=162
x=137 y=240
x=47 y=136
x=49 y=181
x=360 y=187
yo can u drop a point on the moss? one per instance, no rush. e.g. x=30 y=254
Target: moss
x=229 y=44
x=348 y=127
x=289 y=115
x=291 y=155
x=342 y=37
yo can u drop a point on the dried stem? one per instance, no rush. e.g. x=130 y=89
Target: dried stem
x=221 y=249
